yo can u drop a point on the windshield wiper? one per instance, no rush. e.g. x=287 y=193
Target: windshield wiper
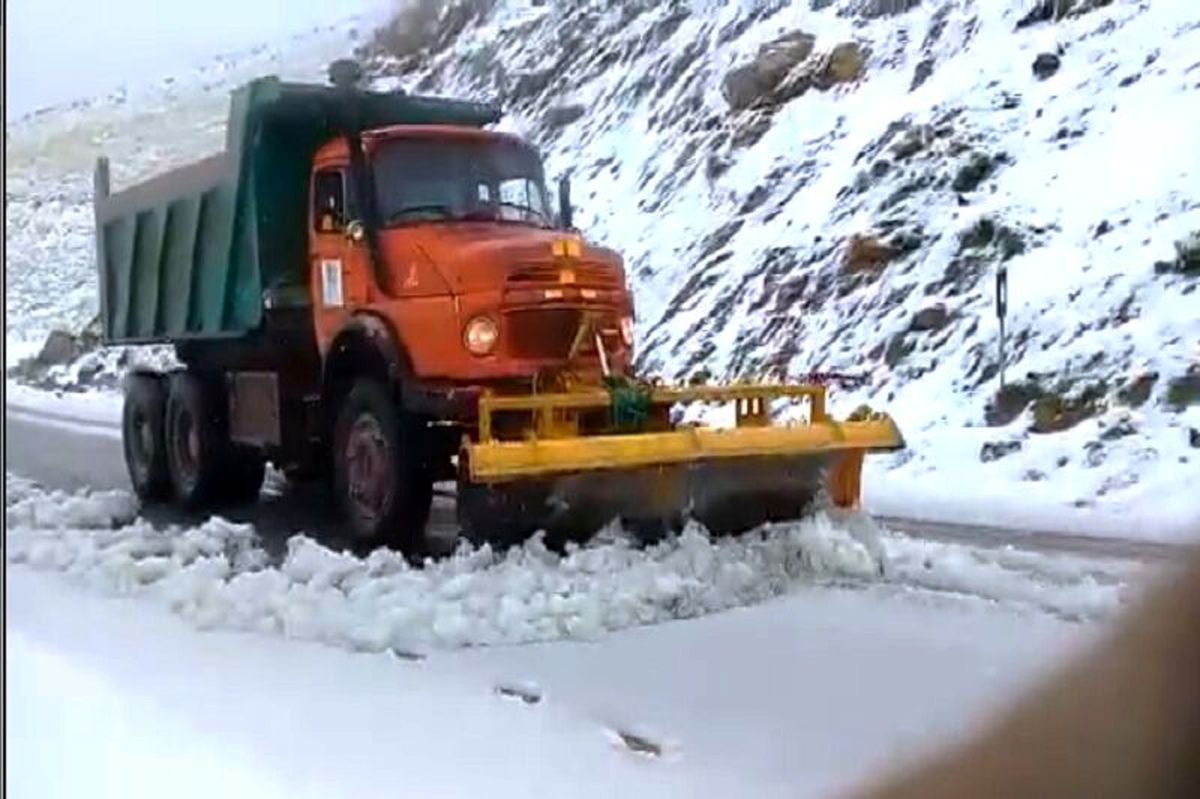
x=433 y=208
x=527 y=209
x=484 y=213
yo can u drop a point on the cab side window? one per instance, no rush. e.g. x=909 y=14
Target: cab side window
x=329 y=201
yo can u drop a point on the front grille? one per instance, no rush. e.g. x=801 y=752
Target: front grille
x=548 y=333
x=585 y=275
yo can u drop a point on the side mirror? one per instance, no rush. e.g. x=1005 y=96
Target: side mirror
x=355 y=231
x=566 y=215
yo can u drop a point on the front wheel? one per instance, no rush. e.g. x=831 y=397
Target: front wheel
x=384 y=488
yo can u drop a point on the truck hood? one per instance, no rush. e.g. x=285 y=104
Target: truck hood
x=478 y=256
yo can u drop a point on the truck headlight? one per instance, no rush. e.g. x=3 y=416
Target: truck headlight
x=480 y=335
x=627 y=330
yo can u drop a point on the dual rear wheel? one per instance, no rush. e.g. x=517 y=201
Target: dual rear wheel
x=175 y=433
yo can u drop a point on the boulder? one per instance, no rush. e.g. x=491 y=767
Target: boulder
x=1054 y=412
x=1046 y=65
x=1136 y=392
x=978 y=236
x=899 y=348
x=1187 y=258
x=995 y=450
x=929 y=319
x=866 y=253
x=845 y=63
x=911 y=142
x=1011 y=401
x=976 y=170
x=562 y=115
x=755 y=83
x=922 y=73
x=779 y=56
x=60 y=348
x=1184 y=391
x=742 y=88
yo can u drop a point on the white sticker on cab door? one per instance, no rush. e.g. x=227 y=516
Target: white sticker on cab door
x=331 y=283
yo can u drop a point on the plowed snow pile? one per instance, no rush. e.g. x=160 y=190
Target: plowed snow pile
x=217 y=576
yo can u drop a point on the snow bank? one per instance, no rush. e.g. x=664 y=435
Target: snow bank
x=216 y=575
x=1074 y=588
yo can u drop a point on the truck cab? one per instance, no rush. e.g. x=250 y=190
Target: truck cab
x=475 y=277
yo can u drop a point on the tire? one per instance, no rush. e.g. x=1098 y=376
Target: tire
x=142 y=437
x=380 y=481
x=197 y=441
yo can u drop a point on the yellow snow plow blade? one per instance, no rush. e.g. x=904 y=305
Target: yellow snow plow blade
x=755 y=470
x=498 y=461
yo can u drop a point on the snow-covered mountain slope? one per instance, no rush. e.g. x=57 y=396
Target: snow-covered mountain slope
x=888 y=158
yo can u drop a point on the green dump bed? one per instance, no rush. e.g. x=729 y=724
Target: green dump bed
x=193 y=252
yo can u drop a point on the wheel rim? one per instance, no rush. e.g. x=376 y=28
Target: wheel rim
x=369 y=469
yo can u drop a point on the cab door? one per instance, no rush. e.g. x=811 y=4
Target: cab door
x=340 y=268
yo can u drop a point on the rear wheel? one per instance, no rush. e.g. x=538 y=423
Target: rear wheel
x=196 y=441
x=380 y=479
x=143 y=438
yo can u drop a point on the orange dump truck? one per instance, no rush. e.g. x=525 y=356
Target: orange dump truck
x=374 y=289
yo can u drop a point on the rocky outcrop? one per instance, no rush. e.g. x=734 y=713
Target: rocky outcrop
x=876 y=9
x=866 y=253
x=1187 y=258
x=1055 y=10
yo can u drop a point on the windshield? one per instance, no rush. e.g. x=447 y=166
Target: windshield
x=418 y=180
